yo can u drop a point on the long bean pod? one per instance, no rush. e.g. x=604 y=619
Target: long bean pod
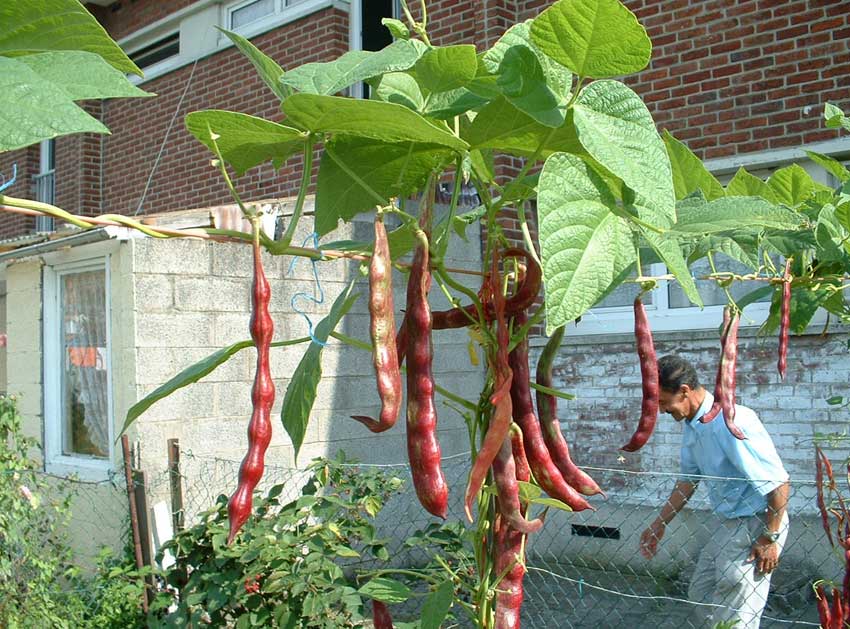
x=730 y=357
x=547 y=413
x=262 y=397
x=649 y=377
x=784 y=322
x=510 y=563
x=505 y=476
x=718 y=381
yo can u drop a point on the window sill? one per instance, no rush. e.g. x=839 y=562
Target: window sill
x=92 y=470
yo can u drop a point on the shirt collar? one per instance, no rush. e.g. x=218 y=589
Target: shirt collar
x=707 y=403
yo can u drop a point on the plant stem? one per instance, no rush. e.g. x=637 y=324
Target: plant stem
x=302 y=192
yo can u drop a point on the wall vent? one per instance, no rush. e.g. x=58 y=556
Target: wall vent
x=603 y=532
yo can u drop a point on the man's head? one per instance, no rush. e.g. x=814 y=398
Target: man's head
x=681 y=392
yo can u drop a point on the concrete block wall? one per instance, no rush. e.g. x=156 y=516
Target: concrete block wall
x=192 y=298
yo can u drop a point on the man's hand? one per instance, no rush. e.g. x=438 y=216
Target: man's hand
x=649 y=539
x=765 y=554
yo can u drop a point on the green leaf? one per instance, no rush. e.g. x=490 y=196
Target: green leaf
x=245 y=141
x=549 y=391
x=301 y=392
x=368 y=119
x=529 y=491
x=730 y=213
x=741 y=247
x=792 y=185
x=399 y=88
x=593 y=38
x=385 y=590
x=551 y=502
x=345 y=551
x=389 y=170
x=754 y=296
x=437 y=605
x=616 y=128
x=689 y=173
x=445 y=105
x=529 y=80
x=668 y=250
x=49 y=111
x=267 y=68
x=53 y=25
x=744 y=184
x=357 y=65
x=788 y=242
x=397 y=28
x=82 y=75
x=446 y=68
x=831 y=165
x=804 y=304
x=835 y=399
x=835 y=117
x=584 y=245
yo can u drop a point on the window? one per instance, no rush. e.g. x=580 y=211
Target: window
x=77 y=382
x=44 y=183
x=250 y=12
x=160 y=50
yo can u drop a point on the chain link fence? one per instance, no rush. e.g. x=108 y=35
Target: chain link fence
x=584 y=569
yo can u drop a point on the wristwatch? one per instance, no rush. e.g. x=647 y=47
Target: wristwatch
x=773 y=536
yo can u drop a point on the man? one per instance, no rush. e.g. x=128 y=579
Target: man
x=748 y=495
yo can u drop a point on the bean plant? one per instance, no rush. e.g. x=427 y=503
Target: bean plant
x=611 y=196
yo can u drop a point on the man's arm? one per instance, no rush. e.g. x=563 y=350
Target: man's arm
x=765 y=551
x=679 y=497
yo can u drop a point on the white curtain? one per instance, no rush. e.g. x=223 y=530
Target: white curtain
x=86 y=410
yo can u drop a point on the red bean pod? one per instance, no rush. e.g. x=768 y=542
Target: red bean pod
x=730 y=357
x=546 y=473
x=547 y=411
x=423 y=448
x=718 y=382
x=823 y=608
x=523 y=472
x=381 y=615
x=262 y=397
x=382 y=332
x=518 y=302
x=837 y=610
x=510 y=563
x=821 y=463
x=649 y=376
x=505 y=476
x=500 y=419
x=784 y=322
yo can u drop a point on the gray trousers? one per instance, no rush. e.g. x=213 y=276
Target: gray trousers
x=730 y=586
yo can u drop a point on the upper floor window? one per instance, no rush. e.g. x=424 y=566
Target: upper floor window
x=159 y=50
x=44 y=182
x=77 y=384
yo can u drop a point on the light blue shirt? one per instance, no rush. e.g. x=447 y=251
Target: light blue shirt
x=711 y=450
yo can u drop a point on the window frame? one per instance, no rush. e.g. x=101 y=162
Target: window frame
x=56 y=462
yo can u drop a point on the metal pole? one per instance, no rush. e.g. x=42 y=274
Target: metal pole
x=134 y=515
x=176 y=484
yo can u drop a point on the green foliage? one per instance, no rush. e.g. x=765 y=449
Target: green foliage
x=53 y=53
x=292 y=564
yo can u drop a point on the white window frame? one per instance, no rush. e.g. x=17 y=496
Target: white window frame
x=57 y=266
x=620 y=319
x=278 y=7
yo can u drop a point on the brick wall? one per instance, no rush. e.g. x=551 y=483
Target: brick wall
x=127 y=16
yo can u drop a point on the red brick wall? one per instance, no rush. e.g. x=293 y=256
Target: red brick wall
x=27 y=164
x=183 y=177
x=127 y=16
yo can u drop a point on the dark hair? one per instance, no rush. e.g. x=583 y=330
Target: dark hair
x=674 y=371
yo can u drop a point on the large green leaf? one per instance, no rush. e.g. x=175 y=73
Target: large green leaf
x=531 y=81
x=446 y=68
x=385 y=590
x=192 y=374
x=400 y=88
x=267 y=68
x=389 y=170
x=82 y=75
x=689 y=173
x=368 y=119
x=835 y=117
x=738 y=246
x=745 y=184
x=437 y=605
x=53 y=25
x=616 y=128
x=593 y=38
x=830 y=235
x=357 y=65
x=667 y=248
x=788 y=242
x=245 y=141
x=445 y=105
x=792 y=185
x=501 y=126
x=697 y=216
x=831 y=165
x=584 y=245
x=34 y=109
x=301 y=392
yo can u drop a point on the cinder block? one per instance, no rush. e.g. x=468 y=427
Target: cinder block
x=181 y=256
x=175 y=330
x=153 y=292
x=212 y=294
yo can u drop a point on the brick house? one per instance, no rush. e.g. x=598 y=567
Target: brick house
x=742 y=83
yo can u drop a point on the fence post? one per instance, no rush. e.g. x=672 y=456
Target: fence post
x=134 y=515
x=176 y=484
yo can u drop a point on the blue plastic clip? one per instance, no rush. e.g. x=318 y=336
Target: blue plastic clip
x=11 y=182
x=315 y=238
